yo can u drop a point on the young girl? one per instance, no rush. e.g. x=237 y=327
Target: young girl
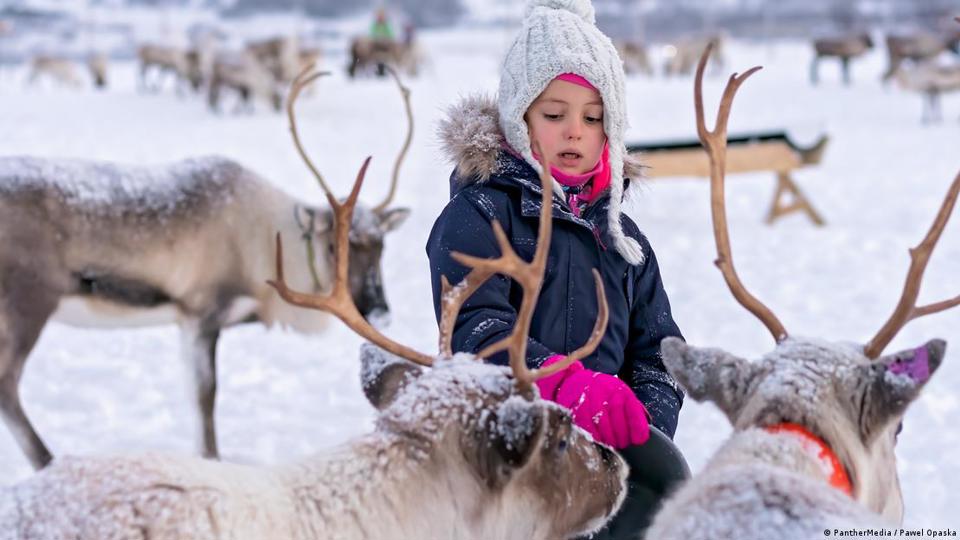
x=561 y=98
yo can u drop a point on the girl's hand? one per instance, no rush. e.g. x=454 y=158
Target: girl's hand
x=601 y=404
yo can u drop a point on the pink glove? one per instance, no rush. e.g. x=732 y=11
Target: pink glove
x=601 y=404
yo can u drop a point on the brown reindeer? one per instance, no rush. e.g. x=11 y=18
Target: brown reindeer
x=163 y=61
x=462 y=449
x=280 y=55
x=844 y=48
x=917 y=48
x=815 y=423
x=375 y=54
x=96 y=244
x=248 y=77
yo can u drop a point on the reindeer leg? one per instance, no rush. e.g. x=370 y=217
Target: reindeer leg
x=28 y=306
x=845 y=66
x=198 y=348
x=814 y=70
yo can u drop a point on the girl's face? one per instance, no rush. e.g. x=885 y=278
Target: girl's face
x=565 y=123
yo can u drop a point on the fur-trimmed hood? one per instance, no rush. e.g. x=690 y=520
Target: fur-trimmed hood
x=472 y=140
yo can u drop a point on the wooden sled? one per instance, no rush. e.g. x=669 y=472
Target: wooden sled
x=770 y=151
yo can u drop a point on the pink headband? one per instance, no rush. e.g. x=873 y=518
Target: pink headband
x=575 y=79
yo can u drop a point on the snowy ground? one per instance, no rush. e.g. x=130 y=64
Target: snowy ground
x=282 y=396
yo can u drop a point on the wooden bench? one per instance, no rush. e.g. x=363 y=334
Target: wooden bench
x=769 y=151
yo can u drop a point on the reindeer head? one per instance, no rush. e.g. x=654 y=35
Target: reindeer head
x=850 y=397
x=523 y=464
x=495 y=437
x=367 y=227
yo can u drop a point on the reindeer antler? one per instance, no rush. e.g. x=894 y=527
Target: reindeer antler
x=530 y=277
x=715 y=143
x=907 y=308
x=339 y=302
x=301 y=81
x=405 y=92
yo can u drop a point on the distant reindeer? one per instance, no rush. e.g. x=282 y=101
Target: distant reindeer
x=99 y=244
x=635 y=58
x=97 y=64
x=163 y=61
x=280 y=55
x=918 y=48
x=370 y=54
x=461 y=449
x=844 y=48
x=682 y=55
x=931 y=81
x=57 y=68
x=814 y=422
x=244 y=74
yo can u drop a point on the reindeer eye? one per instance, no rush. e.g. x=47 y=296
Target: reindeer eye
x=562 y=445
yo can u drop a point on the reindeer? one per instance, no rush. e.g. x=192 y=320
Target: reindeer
x=97 y=64
x=635 y=57
x=60 y=69
x=845 y=48
x=920 y=48
x=461 y=449
x=243 y=73
x=280 y=55
x=682 y=55
x=99 y=244
x=931 y=81
x=367 y=53
x=166 y=60
x=814 y=422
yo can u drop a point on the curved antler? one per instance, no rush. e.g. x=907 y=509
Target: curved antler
x=405 y=92
x=907 y=308
x=530 y=277
x=715 y=143
x=301 y=81
x=339 y=302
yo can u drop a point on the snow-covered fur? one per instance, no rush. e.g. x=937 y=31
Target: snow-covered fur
x=471 y=138
x=192 y=243
x=765 y=485
x=459 y=451
x=561 y=36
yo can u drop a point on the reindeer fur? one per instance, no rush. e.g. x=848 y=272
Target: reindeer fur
x=192 y=243
x=459 y=451
x=764 y=485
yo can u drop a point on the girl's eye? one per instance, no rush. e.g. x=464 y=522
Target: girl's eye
x=551 y=116
x=593 y=120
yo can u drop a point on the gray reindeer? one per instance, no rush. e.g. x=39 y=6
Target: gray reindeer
x=843 y=48
x=100 y=244
x=815 y=423
x=462 y=449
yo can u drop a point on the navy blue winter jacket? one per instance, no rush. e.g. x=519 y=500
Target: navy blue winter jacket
x=567 y=307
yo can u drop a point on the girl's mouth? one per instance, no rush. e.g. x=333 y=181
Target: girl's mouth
x=568 y=159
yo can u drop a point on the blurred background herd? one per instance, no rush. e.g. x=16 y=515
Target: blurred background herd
x=251 y=49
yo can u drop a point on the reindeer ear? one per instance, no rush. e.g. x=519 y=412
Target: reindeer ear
x=895 y=380
x=384 y=375
x=709 y=374
x=312 y=219
x=512 y=433
x=393 y=218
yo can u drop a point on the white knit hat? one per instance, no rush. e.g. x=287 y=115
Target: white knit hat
x=560 y=36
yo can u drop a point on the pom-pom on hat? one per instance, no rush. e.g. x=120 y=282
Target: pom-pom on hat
x=560 y=36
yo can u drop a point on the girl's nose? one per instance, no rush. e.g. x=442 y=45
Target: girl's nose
x=574 y=129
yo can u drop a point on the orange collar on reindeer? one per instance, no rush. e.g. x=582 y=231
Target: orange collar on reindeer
x=836 y=472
